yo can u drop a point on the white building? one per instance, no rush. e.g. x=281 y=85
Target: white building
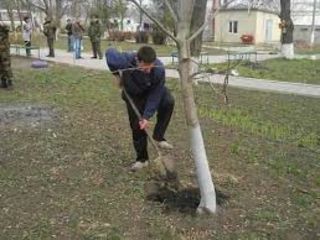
x=302 y=18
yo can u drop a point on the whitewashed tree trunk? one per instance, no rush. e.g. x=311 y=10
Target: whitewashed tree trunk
x=287 y=50
x=184 y=26
x=207 y=190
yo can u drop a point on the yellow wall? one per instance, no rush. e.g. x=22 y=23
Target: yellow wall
x=262 y=19
x=253 y=23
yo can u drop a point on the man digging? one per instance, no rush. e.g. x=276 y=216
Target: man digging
x=143 y=79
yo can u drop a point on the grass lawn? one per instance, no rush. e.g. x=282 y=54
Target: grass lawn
x=67 y=178
x=305 y=71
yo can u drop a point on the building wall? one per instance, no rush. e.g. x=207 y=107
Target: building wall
x=262 y=19
x=302 y=34
x=246 y=25
x=253 y=23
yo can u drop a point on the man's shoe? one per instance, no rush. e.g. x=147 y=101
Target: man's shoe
x=138 y=165
x=93 y=57
x=164 y=145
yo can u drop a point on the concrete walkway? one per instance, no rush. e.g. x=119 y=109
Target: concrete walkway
x=240 y=82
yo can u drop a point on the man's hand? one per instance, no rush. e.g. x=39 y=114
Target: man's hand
x=143 y=123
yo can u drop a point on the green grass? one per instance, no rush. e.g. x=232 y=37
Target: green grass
x=68 y=179
x=304 y=71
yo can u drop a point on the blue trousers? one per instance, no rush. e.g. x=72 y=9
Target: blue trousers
x=77 y=47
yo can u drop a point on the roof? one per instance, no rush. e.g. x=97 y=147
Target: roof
x=256 y=7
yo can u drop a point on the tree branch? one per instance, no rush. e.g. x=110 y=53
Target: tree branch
x=39 y=7
x=63 y=11
x=173 y=13
x=160 y=25
x=204 y=25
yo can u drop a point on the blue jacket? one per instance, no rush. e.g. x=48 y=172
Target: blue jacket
x=138 y=84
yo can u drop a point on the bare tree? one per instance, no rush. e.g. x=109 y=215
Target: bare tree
x=120 y=9
x=183 y=13
x=103 y=9
x=53 y=8
x=9 y=5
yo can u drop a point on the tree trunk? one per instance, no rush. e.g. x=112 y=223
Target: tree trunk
x=11 y=17
x=287 y=46
x=198 y=18
x=140 y=14
x=18 y=6
x=59 y=13
x=313 y=25
x=207 y=190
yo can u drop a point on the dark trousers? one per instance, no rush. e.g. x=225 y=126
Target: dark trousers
x=70 y=43
x=96 y=49
x=27 y=44
x=140 y=139
x=50 y=45
x=5 y=69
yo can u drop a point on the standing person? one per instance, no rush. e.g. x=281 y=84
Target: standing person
x=95 y=32
x=146 y=86
x=26 y=34
x=5 y=62
x=69 y=32
x=77 y=33
x=49 y=30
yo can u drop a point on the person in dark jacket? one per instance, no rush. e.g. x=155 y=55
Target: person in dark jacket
x=95 y=33
x=49 y=30
x=146 y=86
x=69 y=33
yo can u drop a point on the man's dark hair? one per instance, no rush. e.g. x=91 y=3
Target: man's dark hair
x=146 y=54
x=26 y=18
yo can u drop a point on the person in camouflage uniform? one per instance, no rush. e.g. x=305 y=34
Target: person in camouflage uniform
x=5 y=62
x=49 y=30
x=95 y=32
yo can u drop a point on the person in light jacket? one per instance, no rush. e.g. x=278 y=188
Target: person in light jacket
x=77 y=33
x=26 y=34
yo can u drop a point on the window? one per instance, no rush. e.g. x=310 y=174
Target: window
x=233 y=26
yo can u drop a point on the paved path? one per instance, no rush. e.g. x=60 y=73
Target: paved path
x=240 y=82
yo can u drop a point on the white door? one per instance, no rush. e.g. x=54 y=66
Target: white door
x=269 y=26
